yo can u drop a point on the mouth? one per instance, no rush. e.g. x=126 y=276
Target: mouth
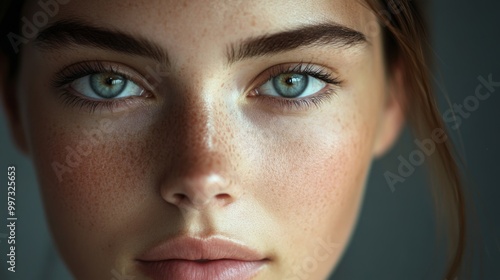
x=207 y=258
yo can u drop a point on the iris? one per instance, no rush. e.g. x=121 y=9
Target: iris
x=107 y=85
x=290 y=85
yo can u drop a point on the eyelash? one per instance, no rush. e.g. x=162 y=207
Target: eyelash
x=64 y=78
x=68 y=75
x=301 y=103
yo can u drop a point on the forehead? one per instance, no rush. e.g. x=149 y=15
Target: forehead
x=221 y=20
x=196 y=35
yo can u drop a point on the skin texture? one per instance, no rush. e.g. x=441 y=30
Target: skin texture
x=201 y=156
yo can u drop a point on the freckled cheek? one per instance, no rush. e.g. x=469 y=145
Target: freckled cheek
x=325 y=176
x=318 y=179
x=310 y=186
x=90 y=182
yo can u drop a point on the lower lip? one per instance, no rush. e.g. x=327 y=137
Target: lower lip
x=191 y=270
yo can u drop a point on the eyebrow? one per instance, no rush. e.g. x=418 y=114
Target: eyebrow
x=323 y=34
x=65 y=33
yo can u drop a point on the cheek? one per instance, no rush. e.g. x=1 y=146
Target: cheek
x=91 y=174
x=322 y=173
x=312 y=190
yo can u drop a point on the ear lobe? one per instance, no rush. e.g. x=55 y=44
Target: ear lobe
x=10 y=105
x=393 y=115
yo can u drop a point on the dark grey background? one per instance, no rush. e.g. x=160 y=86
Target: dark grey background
x=395 y=237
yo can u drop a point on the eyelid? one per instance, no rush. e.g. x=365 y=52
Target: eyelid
x=282 y=105
x=72 y=98
x=81 y=69
x=327 y=75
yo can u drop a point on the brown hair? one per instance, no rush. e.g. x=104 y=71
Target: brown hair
x=406 y=42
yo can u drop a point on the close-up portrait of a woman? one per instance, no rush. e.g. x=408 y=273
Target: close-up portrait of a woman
x=238 y=140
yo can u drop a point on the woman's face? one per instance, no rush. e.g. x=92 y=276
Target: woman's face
x=170 y=135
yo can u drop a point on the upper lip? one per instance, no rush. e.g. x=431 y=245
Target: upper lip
x=196 y=249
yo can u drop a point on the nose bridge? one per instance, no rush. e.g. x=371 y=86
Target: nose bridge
x=201 y=130
x=200 y=168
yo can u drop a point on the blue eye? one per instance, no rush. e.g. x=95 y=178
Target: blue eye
x=106 y=86
x=291 y=85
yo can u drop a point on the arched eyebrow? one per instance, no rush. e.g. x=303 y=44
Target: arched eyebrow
x=323 y=34
x=68 y=33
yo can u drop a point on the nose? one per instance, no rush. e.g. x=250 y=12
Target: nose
x=198 y=191
x=200 y=172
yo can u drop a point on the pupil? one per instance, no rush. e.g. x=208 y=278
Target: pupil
x=113 y=80
x=109 y=81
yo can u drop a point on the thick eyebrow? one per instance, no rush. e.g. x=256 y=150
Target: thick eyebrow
x=67 y=33
x=321 y=34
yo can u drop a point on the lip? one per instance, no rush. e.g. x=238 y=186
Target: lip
x=201 y=258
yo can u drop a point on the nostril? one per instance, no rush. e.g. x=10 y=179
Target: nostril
x=198 y=192
x=178 y=198
x=223 y=196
